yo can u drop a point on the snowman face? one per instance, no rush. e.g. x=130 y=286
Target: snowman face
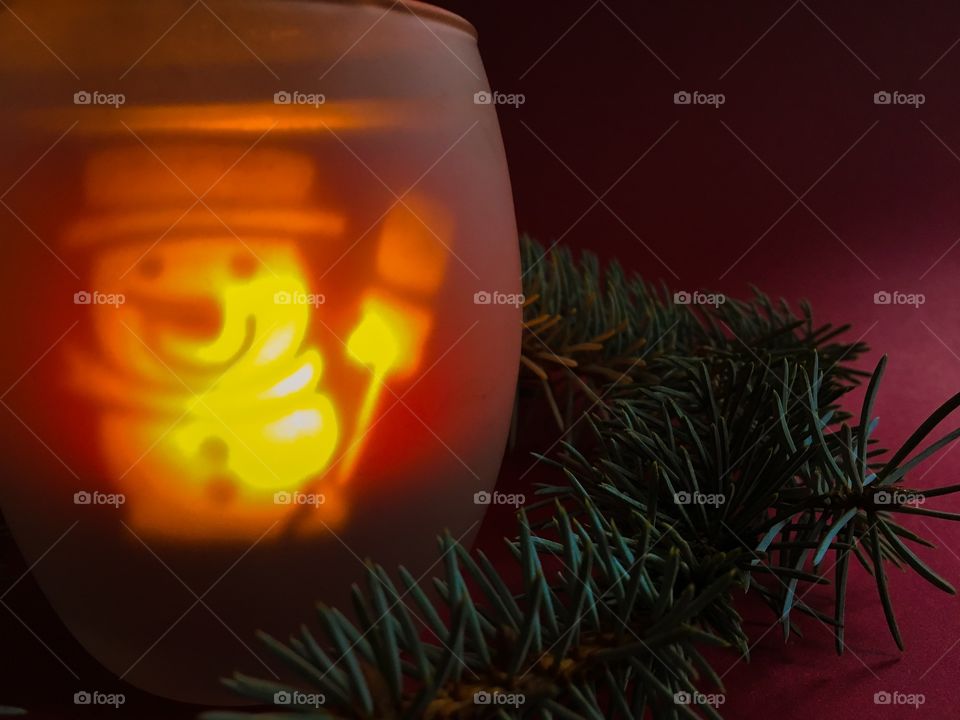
x=215 y=418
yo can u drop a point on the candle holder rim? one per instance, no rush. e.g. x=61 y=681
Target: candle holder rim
x=414 y=7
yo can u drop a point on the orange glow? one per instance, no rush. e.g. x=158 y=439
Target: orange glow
x=219 y=418
x=211 y=424
x=172 y=171
x=227 y=119
x=386 y=340
x=411 y=253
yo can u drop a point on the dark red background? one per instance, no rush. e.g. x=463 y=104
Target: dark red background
x=703 y=199
x=799 y=80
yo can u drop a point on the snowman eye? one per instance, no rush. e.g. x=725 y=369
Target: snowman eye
x=215 y=451
x=151 y=268
x=244 y=265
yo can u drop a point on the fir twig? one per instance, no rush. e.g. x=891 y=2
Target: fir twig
x=718 y=456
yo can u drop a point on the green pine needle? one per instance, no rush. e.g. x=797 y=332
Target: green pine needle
x=707 y=451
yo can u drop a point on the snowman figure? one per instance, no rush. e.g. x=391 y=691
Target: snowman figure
x=208 y=377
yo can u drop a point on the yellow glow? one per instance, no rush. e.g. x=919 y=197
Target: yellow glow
x=275 y=435
x=387 y=340
x=374 y=342
x=389 y=335
x=301 y=423
x=297 y=381
x=276 y=344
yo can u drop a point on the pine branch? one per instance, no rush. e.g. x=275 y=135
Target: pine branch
x=605 y=638
x=770 y=478
x=718 y=457
x=589 y=333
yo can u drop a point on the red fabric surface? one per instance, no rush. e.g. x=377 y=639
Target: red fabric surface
x=721 y=185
